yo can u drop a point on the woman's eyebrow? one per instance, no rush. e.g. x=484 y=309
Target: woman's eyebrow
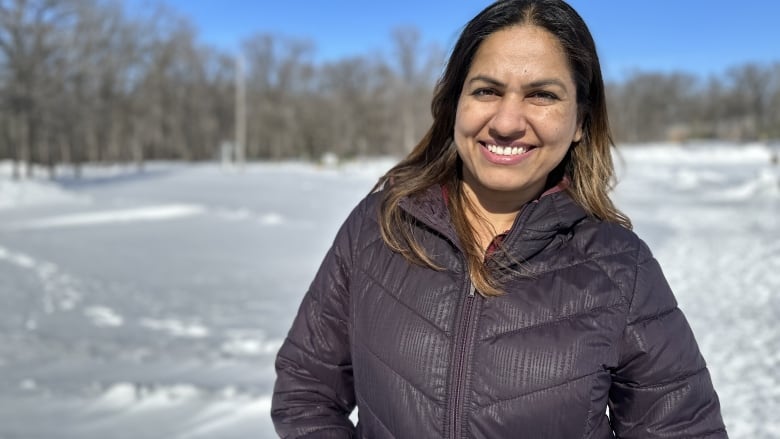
x=539 y=83
x=546 y=82
x=487 y=79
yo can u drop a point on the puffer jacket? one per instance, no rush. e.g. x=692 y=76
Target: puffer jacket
x=588 y=322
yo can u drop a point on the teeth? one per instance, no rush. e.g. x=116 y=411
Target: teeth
x=506 y=150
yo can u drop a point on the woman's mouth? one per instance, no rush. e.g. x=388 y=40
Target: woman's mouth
x=506 y=150
x=505 y=155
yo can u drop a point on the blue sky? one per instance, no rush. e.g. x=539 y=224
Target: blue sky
x=696 y=36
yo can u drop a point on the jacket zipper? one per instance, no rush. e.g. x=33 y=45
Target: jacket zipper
x=464 y=341
x=461 y=356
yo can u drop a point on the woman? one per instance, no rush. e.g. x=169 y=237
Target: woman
x=488 y=287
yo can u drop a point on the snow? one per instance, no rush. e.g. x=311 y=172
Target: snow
x=148 y=213
x=23 y=194
x=176 y=328
x=103 y=316
x=151 y=304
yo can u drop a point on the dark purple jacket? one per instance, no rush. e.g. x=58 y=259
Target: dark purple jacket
x=589 y=322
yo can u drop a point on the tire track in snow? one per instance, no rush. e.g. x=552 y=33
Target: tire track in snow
x=60 y=290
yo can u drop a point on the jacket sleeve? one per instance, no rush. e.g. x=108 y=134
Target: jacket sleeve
x=661 y=387
x=313 y=394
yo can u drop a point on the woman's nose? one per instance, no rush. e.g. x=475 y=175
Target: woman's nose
x=509 y=119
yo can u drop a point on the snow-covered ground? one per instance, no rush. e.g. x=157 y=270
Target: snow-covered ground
x=149 y=305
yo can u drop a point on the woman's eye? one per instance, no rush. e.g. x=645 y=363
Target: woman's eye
x=544 y=96
x=484 y=92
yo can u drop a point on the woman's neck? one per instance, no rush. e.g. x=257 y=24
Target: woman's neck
x=491 y=214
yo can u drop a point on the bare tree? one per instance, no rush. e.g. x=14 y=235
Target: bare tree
x=416 y=68
x=652 y=106
x=29 y=39
x=752 y=97
x=279 y=73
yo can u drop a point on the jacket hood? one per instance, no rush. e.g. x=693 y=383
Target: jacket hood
x=535 y=227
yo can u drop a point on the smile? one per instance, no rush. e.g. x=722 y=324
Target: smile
x=506 y=155
x=507 y=150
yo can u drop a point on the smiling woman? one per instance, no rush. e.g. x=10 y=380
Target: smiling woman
x=488 y=285
x=516 y=119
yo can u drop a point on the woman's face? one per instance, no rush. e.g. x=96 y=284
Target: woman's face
x=516 y=115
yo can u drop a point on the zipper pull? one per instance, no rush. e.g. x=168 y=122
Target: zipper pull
x=472 y=289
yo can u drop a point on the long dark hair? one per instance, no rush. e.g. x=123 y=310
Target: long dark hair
x=435 y=161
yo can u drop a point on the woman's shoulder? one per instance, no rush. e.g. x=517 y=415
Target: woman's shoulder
x=362 y=223
x=616 y=251
x=599 y=239
x=367 y=208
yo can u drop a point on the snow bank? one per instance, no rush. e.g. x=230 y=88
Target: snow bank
x=28 y=193
x=146 y=213
x=696 y=153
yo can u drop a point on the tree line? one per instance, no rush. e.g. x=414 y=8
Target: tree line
x=87 y=81
x=741 y=104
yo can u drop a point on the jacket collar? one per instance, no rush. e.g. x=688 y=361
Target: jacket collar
x=537 y=224
x=430 y=208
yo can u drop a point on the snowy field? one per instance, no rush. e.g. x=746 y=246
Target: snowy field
x=151 y=305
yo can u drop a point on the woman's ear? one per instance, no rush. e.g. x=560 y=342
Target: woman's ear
x=580 y=126
x=578 y=133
